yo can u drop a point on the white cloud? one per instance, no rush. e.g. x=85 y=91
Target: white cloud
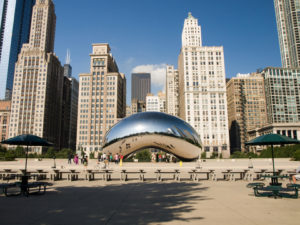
x=158 y=74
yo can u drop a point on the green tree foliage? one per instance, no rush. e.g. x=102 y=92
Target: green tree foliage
x=203 y=155
x=64 y=153
x=143 y=156
x=296 y=155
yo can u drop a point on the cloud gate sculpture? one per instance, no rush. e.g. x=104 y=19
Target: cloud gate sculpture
x=153 y=129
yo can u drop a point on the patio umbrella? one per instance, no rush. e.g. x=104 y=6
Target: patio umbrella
x=28 y=140
x=272 y=139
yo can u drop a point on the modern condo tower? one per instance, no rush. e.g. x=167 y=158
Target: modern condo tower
x=38 y=81
x=288 y=26
x=15 y=17
x=102 y=99
x=202 y=89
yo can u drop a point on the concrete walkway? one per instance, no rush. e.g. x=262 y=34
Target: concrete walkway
x=114 y=202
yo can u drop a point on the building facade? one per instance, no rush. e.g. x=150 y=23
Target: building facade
x=202 y=89
x=15 y=18
x=172 y=91
x=102 y=99
x=140 y=86
x=282 y=87
x=288 y=27
x=38 y=81
x=4 y=119
x=137 y=106
x=246 y=108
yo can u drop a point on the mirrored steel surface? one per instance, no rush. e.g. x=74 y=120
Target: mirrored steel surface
x=153 y=129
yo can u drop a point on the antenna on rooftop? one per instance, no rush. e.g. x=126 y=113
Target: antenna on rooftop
x=68 y=57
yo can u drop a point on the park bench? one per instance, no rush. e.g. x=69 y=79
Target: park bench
x=106 y=174
x=195 y=174
x=72 y=175
x=17 y=188
x=276 y=191
x=175 y=173
x=125 y=173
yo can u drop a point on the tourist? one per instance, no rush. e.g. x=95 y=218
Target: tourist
x=85 y=162
x=296 y=176
x=116 y=158
x=76 y=159
x=70 y=158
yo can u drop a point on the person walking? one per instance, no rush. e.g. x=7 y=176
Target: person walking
x=70 y=158
x=85 y=162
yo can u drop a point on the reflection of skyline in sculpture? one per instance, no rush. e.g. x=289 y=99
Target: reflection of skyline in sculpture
x=153 y=129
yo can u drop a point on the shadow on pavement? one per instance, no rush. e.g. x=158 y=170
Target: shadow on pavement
x=128 y=203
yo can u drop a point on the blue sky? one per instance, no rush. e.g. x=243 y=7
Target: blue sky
x=147 y=33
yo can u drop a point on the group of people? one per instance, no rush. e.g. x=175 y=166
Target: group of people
x=83 y=159
x=110 y=158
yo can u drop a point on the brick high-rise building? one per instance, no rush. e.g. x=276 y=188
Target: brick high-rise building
x=202 y=89
x=102 y=99
x=38 y=81
x=4 y=119
x=246 y=108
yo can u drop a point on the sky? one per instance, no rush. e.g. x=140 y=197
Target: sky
x=145 y=35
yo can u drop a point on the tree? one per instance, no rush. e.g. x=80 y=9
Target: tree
x=143 y=156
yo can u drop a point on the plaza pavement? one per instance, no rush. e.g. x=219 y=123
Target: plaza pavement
x=150 y=202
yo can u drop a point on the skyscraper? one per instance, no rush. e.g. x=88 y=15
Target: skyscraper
x=15 y=18
x=140 y=86
x=288 y=26
x=246 y=108
x=172 y=88
x=38 y=81
x=69 y=107
x=202 y=89
x=102 y=99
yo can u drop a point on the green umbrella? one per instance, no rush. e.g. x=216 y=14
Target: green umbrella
x=272 y=139
x=28 y=140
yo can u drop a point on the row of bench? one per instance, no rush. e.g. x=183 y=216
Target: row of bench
x=195 y=175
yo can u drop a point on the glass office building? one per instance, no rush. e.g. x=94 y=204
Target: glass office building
x=15 y=20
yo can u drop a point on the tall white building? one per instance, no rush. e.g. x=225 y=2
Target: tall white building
x=172 y=95
x=102 y=99
x=202 y=89
x=38 y=80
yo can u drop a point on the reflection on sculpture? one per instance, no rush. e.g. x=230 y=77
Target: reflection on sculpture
x=153 y=129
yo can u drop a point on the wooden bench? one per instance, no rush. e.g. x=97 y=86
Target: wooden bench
x=125 y=173
x=176 y=174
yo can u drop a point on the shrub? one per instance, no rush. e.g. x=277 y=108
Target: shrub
x=203 y=155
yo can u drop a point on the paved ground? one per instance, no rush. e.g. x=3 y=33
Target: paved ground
x=114 y=202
